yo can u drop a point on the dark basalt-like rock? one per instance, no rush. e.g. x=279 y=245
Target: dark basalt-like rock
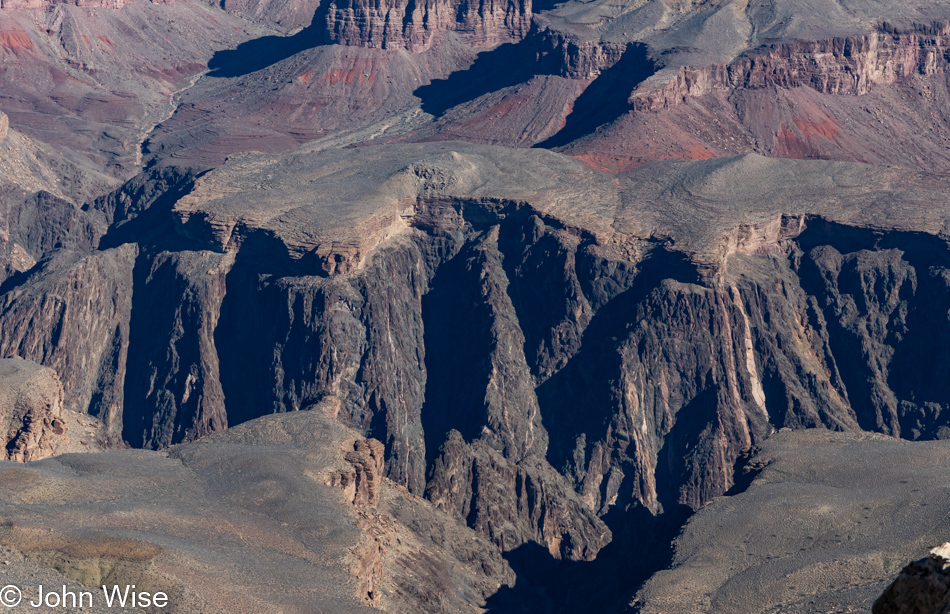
x=922 y=586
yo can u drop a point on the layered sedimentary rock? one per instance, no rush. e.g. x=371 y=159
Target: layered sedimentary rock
x=842 y=66
x=840 y=98
x=502 y=349
x=406 y=24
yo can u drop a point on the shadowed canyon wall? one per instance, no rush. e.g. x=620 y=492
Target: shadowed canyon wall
x=523 y=377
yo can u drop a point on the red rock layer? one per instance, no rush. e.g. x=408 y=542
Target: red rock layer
x=880 y=98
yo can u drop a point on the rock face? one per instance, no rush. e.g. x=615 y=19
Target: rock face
x=923 y=586
x=32 y=400
x=685 y=335
x=497 y=347
x=265 y=483
x=406 y=24
x=368 y=462
x=835 y=98
x=841 y=66
x=51 y=332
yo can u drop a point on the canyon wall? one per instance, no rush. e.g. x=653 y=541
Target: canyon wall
x=588 y=375
x=416 y=26
x=843 y=66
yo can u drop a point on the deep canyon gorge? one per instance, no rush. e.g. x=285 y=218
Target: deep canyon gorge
x=439 y=306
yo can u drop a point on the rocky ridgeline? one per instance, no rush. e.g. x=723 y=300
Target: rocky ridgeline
x=594 y=372
x=923 y=587
x=417 y=26
x=847 y=65
x=569 y=55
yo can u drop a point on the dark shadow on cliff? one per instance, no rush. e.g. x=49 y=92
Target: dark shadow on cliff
x=458 y=342
x=252 y=313
x=503 y=66
x=149 y=220
x=152 y=416
x=917 y=333
x=605 y=99
x=744 y=471
x=590 y=378
x=544 y=5
x=606 y=585
x=687 y=446
x=266 y=51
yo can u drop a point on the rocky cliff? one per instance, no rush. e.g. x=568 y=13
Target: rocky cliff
x=847 y=65
x=32 y=401
x=616 y=357
x=34 y=421
x=842 y=98
x=417 y=26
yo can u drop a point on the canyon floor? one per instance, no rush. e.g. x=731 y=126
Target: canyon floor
x=437 y=306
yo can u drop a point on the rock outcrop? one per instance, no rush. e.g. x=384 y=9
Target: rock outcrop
x=923 y=587
x=417 y=26
x=32 y=422
x=686 y=334
x=206 y=515
x=368 y=461
x=841 y=66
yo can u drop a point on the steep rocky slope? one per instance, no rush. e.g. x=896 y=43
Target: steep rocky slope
x=288 y=513
x=686 y=314
x=515 y=330
x=817 y=530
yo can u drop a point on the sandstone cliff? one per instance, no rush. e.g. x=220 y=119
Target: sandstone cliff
x=847 y=65
x=417 y=26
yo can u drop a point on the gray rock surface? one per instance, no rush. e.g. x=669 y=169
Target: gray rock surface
x=827 y=522
x=254 y=520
